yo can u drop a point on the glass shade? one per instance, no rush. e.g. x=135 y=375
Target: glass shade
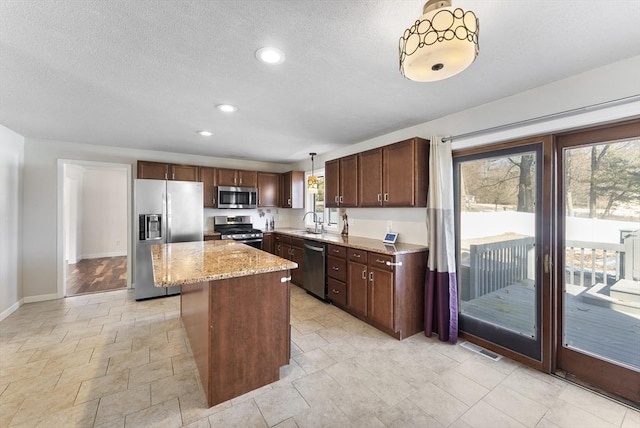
x=312 y=184
x=440 y=44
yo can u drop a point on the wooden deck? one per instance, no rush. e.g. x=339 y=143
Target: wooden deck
x=605 y=332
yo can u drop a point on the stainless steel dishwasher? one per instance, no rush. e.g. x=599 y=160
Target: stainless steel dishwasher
x=315 y=271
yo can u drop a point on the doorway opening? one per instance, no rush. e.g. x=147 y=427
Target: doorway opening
x=94 y=248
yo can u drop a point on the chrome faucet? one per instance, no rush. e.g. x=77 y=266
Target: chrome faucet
x=315 y=221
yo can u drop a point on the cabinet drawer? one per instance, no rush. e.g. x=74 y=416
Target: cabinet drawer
x=337 y=268
x=357 y=255
x=282 y=239
x=381 y=261
x=337 y=251
x=337 y=291
x=297 y=242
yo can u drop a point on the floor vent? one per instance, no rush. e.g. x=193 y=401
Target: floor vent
x=480 y=350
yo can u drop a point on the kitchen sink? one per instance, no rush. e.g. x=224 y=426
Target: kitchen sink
x=305 y=232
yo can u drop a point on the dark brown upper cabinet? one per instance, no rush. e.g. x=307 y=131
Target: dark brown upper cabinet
x=167 y=171
x=395 y=175
x=341 y=182
x=209 y=178
x=237 y=177
x=268 y=189
x=292 y=189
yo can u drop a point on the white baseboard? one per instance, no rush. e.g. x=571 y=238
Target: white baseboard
x=102 y=255
x=41 y=298
x=11 y=309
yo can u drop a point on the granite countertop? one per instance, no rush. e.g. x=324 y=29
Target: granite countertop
x=357 y=242
x=192 y=262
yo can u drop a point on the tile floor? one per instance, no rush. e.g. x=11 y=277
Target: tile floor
x=105 y=360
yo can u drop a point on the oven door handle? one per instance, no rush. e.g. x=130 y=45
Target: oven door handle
x=246 y=241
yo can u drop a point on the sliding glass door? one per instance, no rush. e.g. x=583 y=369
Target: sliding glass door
x=598 y=267
x=499 y=223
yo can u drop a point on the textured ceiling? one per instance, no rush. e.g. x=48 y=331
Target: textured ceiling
x=148 y=74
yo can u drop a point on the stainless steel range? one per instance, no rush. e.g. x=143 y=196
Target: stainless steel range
x=239 y=228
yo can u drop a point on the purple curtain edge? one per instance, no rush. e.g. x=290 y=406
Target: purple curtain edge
x=441 y=294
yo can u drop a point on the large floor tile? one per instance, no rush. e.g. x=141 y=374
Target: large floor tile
x=482 y=415
x=245 y=414
x=280 y=403
x=439 y=404
x=120 y=404
x=523 y=409
x=162 y=415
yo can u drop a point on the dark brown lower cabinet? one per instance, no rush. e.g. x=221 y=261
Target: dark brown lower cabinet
x=292 y=249
x=296 y=254
x=387 y=291
x=357 y=289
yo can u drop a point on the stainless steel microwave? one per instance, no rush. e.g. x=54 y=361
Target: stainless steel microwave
x=237 y=197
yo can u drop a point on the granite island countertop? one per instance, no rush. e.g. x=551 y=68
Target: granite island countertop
x=358 y=242
x=192 y=262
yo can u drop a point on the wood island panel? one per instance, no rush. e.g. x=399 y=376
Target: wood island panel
x=239 y=332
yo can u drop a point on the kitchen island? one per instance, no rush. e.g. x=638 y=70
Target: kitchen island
x=234 y=304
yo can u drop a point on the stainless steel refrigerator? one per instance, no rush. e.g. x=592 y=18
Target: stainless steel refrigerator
x=165 y=212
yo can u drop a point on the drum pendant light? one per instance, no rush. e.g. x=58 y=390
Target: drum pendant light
x=439 y=44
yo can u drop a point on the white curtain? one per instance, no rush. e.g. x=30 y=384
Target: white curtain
x=441 y=288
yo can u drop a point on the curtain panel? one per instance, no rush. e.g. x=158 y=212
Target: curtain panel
x=441 y=288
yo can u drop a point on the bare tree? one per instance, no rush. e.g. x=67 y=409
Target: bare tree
x=525 y=183
x=596 y=160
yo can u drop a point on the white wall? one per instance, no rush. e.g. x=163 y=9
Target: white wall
x=600 y=85
x=11 y=167
x=72 y=213
x=104 y=212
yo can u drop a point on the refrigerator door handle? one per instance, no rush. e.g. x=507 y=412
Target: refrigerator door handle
x=168 y=217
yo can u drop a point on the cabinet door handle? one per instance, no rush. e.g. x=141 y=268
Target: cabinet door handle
x=381 y=261
x=379 y=197
x=394 y=264
x=334 y=291
x=166 y=177
x=173 y=175
x=285 y=279
x=289 y=201
x=341 y=199
x=335 y=268
x=336 y=250
x=364 y=274
x=337 y=200
x=357 y=256
x=371 y=276
x=386 y=197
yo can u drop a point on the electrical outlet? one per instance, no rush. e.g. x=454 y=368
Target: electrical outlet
x=389 y=225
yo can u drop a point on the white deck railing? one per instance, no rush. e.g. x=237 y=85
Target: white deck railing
x=599 y=261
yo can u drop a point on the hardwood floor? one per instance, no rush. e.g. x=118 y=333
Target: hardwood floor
x=94 y=275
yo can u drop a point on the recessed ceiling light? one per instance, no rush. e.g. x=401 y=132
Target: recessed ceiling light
x=205 y=133
x=227 y=108
x=270 y=55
